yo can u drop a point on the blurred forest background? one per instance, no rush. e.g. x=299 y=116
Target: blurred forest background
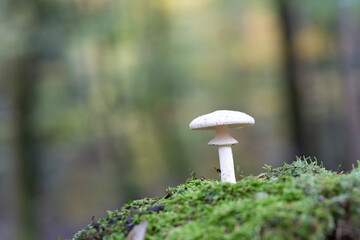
x=96 y=97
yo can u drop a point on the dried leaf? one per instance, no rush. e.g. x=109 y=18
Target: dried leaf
x=138 y=232
x=156 y=208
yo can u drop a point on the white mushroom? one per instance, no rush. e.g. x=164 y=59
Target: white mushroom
x=221 y=121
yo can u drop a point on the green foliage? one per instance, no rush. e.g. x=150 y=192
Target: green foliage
x=301 y=200
x=296 y=169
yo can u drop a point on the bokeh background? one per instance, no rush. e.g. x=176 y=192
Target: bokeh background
x=96 y=97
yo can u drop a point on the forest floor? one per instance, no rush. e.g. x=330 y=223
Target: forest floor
x=301 y=200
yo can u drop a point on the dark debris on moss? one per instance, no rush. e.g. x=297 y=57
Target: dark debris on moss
x=301 y=200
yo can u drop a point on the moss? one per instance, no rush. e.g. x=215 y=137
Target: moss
x=301 y=200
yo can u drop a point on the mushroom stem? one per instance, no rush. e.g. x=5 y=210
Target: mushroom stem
x=226 y=164
x=223 y=140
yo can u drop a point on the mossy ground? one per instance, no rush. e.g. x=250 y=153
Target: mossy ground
x=297 y=201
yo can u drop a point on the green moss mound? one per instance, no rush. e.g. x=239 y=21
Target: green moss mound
x=301 y=200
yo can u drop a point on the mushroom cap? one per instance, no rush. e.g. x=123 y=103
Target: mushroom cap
x=232 y=119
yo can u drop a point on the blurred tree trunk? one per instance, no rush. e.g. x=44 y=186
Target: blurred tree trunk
x=287 y=18
x=24 y=75
x=25 y=85
x=349 y=39
x=163 y=79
